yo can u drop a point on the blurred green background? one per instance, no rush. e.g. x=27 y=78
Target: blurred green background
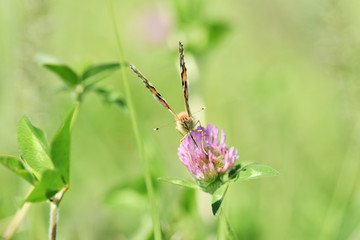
x=280 y=77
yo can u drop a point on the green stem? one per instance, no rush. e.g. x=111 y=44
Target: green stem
x=225 y=230
x=230 y=231
x=221 y=233
x=55 y=201
x=139 y=143
x=344 y=187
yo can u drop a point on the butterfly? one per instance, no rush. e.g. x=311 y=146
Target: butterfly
x=185 y=123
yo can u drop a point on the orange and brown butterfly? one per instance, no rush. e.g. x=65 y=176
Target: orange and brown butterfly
x=185 y=123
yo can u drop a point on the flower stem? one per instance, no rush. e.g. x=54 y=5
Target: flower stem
x=139 y=143
x=230 y=231
x=225 y=230
x=54 y=212
x=221 y=233
x=17 y=219
x=53 y=220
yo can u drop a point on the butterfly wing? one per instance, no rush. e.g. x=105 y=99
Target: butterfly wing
x=184 y=78
x=153 y=90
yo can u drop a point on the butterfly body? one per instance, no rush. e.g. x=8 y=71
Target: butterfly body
x=185 y=123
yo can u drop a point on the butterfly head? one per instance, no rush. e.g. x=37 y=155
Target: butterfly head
x=185 y=123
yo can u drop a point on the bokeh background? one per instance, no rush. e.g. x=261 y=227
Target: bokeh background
x=280 y=77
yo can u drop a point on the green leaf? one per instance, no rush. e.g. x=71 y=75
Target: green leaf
x=180 y=182
x=111 y=96
x=99 y=72
x=64 y=72
x=233 y=173
x=218 y=198
x=33 y=147
x=14 y=164
x=60 y=146
x=50 y=183
x=210 y=187
x=254 y=170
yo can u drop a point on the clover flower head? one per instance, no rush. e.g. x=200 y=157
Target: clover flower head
x=206 y=156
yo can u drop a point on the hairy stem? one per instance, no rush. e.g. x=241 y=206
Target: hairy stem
x=53 y=220
x=54 y=212
x=139 y=143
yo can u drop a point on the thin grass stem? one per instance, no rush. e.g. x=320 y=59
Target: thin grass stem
x=17 y=219
x=344 y=188
x=135 y=127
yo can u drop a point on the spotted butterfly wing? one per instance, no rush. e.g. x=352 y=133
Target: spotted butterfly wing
x=184 y=78
x=153 y=90
x=184 y=121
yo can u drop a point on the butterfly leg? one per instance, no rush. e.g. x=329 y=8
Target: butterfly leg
x=183 y=137
x=191 y=138
x=202 y=136
x=188 y=152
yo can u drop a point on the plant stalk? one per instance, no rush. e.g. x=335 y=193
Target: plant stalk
x=53 y=220
x=54 y=212
x=344 y=187
x=17 y=219
x=221 y=232
x=135 y=127
x=230 y=232
x=225 y=230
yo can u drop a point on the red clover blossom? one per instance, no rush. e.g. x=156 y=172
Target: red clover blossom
x=208 y=158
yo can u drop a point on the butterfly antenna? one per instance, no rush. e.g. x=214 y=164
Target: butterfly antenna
x=165 y=125
x=202 y=109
